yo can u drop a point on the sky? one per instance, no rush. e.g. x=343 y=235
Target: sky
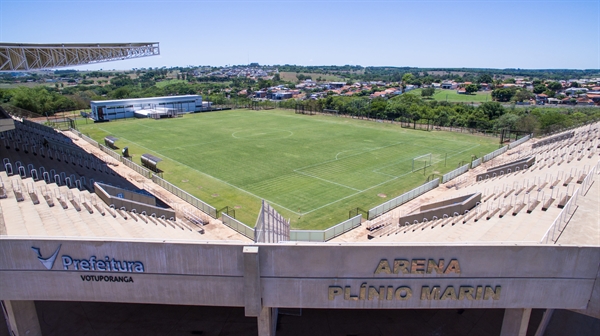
x=529 y=34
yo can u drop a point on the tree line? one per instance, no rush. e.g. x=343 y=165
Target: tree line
x=488 y=116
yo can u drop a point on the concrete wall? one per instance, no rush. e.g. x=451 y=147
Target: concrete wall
x=305 y=275
x=128 y=194
x=448 y=207
x=129 y=204
x=506 y=168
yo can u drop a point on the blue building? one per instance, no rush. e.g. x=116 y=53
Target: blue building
x=154 y=107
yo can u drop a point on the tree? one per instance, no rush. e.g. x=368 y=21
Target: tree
x=427 y=92
x=492 y=110
x=555 y=86
x=484 y=78
x=540 y=88
x=503 y=94
x=507 y=121
x=522 y=95
x=407 y=78
x=471 y=88
x=575 y=85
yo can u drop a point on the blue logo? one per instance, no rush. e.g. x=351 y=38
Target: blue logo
x=47 y=262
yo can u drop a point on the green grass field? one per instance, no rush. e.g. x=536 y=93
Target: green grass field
x=313 y=169
x=164 y=83
x=453 y=97
x=291 y=76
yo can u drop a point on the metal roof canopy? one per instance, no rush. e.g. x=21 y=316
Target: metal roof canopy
x=110 y=141
x=28 y=56
x=150 y=161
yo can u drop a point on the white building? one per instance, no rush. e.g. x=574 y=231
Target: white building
x=104 y=110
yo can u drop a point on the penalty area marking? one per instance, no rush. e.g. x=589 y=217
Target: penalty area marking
x=257 y=135
x=302 y=173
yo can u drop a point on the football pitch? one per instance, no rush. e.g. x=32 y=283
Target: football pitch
x=312 y=169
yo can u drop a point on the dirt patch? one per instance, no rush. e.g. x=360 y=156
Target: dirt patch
x=382 y=195
x=237 y=207
x=215 y=195
x=184 y=181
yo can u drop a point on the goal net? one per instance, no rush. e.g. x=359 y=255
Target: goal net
x=421 y=162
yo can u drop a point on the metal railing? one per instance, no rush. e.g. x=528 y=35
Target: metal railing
x=563 y=218
x=343 y=227
x=88 y=139
x=395 y=202
x=495 y=153
x=74 y=131
x=184 y=195
x=518 y=142
x=328 y=234
x=110 y=152
x=238 y=226
x=456 y=172
x=139 y=169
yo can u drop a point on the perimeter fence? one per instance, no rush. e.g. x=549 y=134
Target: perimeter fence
x=407 y=196
x=554 y=231
x=455 y=173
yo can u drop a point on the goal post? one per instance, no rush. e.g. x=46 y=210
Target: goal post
x=421 y=162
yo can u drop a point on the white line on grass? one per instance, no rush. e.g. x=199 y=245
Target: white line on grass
x=296 y=170
x=349 y=156
x=227 y=183
x=322 y=179
x=377 y=185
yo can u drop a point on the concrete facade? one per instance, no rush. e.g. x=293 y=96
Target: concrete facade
x=104 y=110
x=302 y=275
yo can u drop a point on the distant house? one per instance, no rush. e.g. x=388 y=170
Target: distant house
x=436 y=85
x=260 y=94
x=541 y=99
x=449 y=85
x=572 y=91
x=595 y=98
x=553 y=101
x=585 y=101
x=484 y=86
x=336 y=85
x=461 y=91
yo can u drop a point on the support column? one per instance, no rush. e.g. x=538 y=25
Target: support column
x=515 y=322
x=545 y=320
x=267 y=321
x=21 y=318
x=252 y=288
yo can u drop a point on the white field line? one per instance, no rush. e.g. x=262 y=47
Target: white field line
x=324 y=162
x=227 y=183
x=265 y=133
x=296 y=170
x=382 y=183
x=322 y=179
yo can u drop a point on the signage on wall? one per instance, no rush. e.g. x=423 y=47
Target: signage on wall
x=403 y=267
x=93 y=263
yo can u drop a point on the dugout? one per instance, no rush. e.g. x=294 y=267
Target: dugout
x=109 y=141
x=150 y=161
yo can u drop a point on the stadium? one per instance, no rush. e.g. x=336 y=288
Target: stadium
x=482 y=240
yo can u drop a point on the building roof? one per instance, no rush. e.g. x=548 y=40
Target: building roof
x=144 y=99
